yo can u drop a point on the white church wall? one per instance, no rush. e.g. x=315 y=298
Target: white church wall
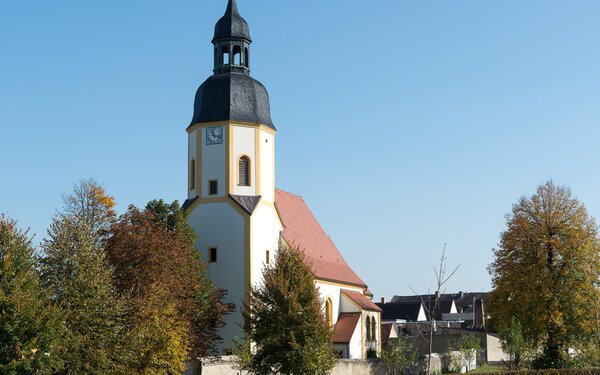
x=213 y=164
x=267 y=165
x=355 y=346
x=334 y=292
x=265 y=237
x=192 y=138
x=219 y=225
x=244 y=144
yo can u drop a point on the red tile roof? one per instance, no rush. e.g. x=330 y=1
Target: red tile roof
x=344 y=328
x=364 y=302
x=301 y=229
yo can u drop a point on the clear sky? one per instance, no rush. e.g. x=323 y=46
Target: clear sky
x=404 y=124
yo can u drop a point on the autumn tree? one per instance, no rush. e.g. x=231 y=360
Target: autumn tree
x=544 y=272
x=176 y=311
x=29 y=321
x=284 y=320
x=80 y=281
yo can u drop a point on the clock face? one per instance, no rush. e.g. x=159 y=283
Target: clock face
x=214 y=135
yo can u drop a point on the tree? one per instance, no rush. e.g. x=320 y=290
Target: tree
x=464 y=352
x=29 y=321
x=399 y=355
x=81 y=283
x=160 y=243
x=432 y=305
x=284 y=320
x=520 y=351
x=544 y=272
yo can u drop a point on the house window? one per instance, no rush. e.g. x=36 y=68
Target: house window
x=329 y=312
x=213 y=187
x=267 y=257
x=244 y=171
x=212 y=255
x=192 y=174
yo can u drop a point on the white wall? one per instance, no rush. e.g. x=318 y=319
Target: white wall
x=214 y=163
x=220 y=225
x=244 y=144
x=355 y=346
x=265 y=236
x=267 y=165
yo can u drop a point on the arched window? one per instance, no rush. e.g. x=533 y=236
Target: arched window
x=192 y=174
x=368 y=326
x=244 y=171
x=373 y=329
x=225 y=54
x=329 y=312
x=246 y=58
x=237 y=55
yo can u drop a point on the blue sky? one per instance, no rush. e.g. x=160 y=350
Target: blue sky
x=404 y=125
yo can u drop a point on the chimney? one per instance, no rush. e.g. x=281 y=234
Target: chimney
x=461 y=294
x=383 y=300
x=479 y=313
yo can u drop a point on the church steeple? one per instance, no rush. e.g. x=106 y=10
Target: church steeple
x=232 y=42
x=230 y=94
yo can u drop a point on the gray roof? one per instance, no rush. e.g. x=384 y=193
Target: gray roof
x=400 y=310
x=232 y=25
x=232 y=97
x=463 y=301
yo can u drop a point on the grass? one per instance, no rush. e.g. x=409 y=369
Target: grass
x=487 y=368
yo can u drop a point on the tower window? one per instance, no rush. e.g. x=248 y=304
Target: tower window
x=237 y=55
x=246 y=58
x=213 y=187
x=192 y=174
x=267 y=257
x=244 y=171
x=212 y=255
x=225 y=54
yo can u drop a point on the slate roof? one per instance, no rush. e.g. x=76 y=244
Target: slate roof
x=301 y=229
x=232 y=97
x=344 y=328
x=361 y=300
x=462 y=301
x=247 y=202
x=231 y=25
x=400 y=310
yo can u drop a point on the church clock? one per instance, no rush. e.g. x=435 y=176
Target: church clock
x=214 y=135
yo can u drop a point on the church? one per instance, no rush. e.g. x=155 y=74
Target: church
x=240 y=216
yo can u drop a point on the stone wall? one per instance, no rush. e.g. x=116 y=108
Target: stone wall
x=227 y=366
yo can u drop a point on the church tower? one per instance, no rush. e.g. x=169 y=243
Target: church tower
x=231 y=170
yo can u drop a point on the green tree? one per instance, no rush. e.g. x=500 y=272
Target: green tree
x=520 y=351
x=284 y=320
x=464 y=352
x=29 y=322
x=544 y=271
x=81 y=283
x=400 y=354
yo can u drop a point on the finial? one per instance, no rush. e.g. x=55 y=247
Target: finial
x=232 y=8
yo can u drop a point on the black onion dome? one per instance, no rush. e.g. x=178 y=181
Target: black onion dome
x=232 y=97
x=232 y=25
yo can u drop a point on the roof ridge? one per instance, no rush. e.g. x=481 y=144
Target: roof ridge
x=288 y=193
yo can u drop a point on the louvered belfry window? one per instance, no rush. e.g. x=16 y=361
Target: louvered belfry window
x=244 y=171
